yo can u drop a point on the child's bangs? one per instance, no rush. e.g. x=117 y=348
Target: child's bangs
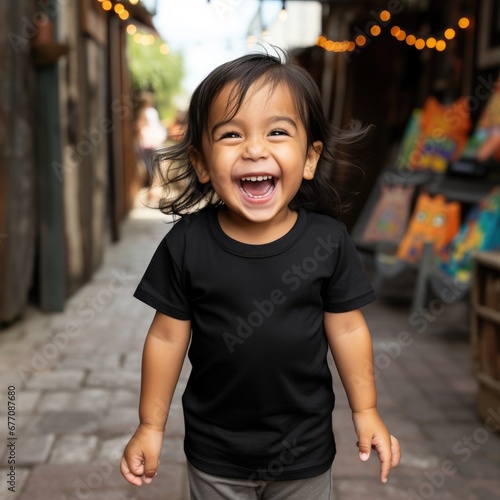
x=254 y=80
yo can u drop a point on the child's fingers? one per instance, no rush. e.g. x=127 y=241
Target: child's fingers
x=134 y=472
x=395 y=451
x=389 y=455
x=150 y=469
x=364 y=446
x=385 y=456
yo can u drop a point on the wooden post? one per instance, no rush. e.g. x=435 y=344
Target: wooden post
x=52 y=267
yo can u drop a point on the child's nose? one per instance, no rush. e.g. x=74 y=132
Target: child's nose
x=255 y=148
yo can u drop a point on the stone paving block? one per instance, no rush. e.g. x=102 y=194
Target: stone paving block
x=112 y=449
x=475 y=463
x=407 y=429
x=74 y=448
x=464 y=385
x=118 y=378
x=460 y=413
x=485 y=489
x=59 y=379
x=12 y=378
x=120 y=421
x=61 y=422
x=93 y=399
x=28 y=401
x=418 y=455
x=95 y=362
x=387 y=402
x=464 y=440
x=422 y=412
x=38 y=335
x=84 y=347
x=124 y=397
x=12 y=355
x=55 y=401
x=173 y=450
x=21 y=476
x=133 y=361
x=445 y=397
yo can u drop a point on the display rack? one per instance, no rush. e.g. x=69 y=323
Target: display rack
x=485 y=330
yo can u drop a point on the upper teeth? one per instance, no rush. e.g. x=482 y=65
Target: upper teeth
x=258 y=178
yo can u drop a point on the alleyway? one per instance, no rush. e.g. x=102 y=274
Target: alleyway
x=76 y=378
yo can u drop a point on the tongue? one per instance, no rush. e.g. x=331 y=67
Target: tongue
x=257 y=188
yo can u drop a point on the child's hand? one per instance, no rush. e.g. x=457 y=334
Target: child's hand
x=372 y=433
x=141 y=456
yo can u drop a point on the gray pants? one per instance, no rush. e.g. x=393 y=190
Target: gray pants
x=204 y=486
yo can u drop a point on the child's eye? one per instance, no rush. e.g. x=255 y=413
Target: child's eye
x=278 y=132
x=230 y=135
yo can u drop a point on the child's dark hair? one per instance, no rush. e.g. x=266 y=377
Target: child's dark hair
x=177 y=172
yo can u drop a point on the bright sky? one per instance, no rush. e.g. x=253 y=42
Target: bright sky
x=208 y=34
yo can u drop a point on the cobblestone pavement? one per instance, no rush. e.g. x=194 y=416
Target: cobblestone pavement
x=76 y=376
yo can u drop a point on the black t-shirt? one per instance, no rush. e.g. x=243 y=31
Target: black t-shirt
x=259 y=400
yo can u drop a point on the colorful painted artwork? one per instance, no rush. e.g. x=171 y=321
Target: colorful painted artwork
x=390 y=215
x=434 y=220
x=480 y=231
x=443 y=135
x=485 y=141
x=407 y=145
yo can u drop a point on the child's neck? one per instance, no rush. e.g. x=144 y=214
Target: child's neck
x=255 y=233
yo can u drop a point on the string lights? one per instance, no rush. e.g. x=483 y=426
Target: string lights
x=142 y=38
x=118 y=8
x=437 y=43
x=146 y=39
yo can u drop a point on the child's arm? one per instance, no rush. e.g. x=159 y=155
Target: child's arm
x=164 y=352
x=351 y=346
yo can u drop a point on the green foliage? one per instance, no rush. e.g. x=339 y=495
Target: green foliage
x=156 y=72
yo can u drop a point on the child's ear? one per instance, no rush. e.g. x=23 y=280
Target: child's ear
x=313 y=156
x=200 y=166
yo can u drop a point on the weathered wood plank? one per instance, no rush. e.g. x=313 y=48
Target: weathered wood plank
x=73 y=146
x=98 y=131
x=17 y=174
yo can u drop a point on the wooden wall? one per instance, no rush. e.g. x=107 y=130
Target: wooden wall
x=67 y=164
x=84 y=131
x=17 y=169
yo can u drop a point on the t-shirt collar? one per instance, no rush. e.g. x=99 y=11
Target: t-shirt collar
x=256 y=251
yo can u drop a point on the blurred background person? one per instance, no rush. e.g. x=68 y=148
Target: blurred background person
x=150 y=132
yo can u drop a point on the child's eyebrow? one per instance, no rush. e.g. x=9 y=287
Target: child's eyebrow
x=287 y=119
x=270 y=121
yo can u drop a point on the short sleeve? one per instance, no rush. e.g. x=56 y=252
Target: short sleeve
x=348 y=288
x=161 y=287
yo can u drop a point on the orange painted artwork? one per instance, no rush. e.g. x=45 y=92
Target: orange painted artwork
x=435 y=221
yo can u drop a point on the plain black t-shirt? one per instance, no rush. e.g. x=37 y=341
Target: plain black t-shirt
x=259 y=400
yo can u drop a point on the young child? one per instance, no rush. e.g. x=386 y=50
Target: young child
x=261 y=279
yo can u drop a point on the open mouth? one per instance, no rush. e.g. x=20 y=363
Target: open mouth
x=257 y=186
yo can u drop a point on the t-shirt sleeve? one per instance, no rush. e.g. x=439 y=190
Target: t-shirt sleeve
x=348 y=288
x=161 y=287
